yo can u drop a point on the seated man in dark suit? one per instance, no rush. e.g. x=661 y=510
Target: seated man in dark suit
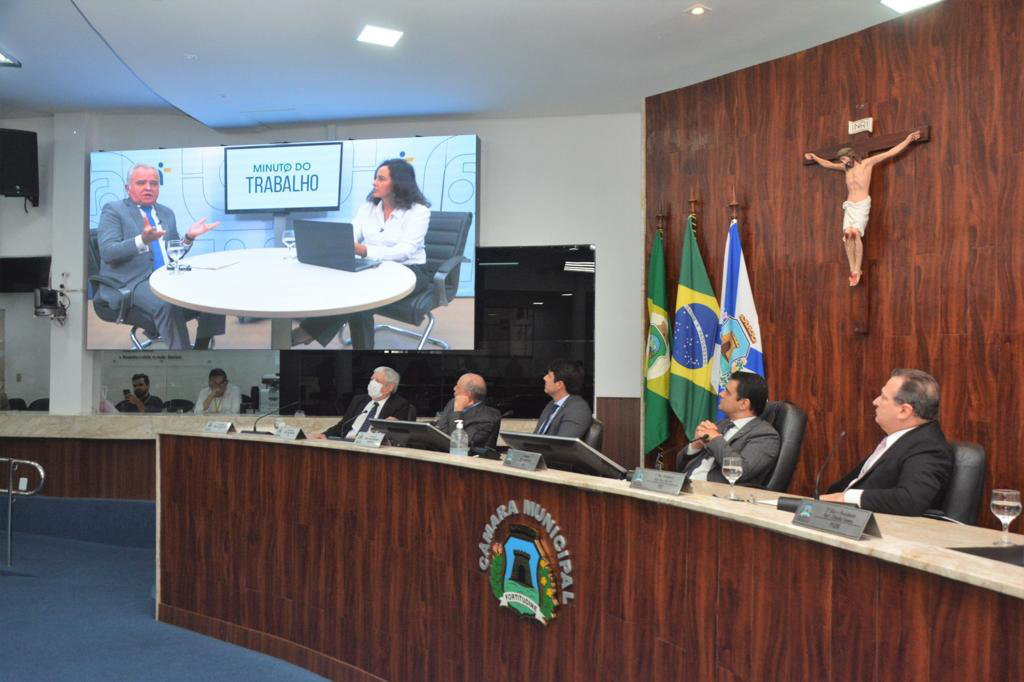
x=909 y=470
x=379 y=402
x=132 y=238
x=140 y=399
x=742 y=433
x=480 y=422
x=567 y=414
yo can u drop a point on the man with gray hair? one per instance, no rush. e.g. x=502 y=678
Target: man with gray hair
x=131 y=237
x=379 y=402
x=480 y=422
x=909 y=470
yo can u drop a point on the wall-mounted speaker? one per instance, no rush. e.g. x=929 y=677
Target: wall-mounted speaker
x=19 y=164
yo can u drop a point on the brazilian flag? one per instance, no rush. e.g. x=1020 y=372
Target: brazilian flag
x=692 y=394
x=657 y=360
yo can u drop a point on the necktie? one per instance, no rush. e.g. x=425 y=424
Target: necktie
x=726 y=425
x=551 y=416
x=369 y=415
x=154 y=246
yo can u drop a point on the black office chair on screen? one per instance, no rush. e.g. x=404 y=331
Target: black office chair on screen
x=17 y=404
x=791 y=422
x=123 y=313
x=445 y=243
x=594 y=437
x=179 y=405
x=963 y=493
x=39 y=405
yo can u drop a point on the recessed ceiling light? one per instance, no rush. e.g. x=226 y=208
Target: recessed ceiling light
x=379 y=36
x=904 y=6
x=698 y=9
x=8 y=60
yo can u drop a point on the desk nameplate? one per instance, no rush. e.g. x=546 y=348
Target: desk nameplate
x=840 y=519
x=521 y=459
x=369 y=439
x=218 y=427
x=290 y=433
x=658 y=481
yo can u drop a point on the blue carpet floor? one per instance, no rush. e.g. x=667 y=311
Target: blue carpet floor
x=73 y=610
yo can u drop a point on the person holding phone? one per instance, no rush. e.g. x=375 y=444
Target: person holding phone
x=139 y=399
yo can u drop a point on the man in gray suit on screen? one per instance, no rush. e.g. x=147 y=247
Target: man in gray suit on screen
x=742 y=433
x=132 y=235
x=567 y=414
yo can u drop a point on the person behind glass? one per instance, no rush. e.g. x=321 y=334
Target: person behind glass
x=567 y=414
x=379 y=402
x=139 y=398
x=480 y=422
x=391 y=225
x=131 y=236
x=219 y=397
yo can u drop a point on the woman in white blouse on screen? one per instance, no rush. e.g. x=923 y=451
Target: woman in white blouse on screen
x=391 y=225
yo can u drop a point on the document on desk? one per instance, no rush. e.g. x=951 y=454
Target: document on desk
x=214 y=267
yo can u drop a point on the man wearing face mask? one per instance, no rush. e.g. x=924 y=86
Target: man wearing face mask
x=379 y=402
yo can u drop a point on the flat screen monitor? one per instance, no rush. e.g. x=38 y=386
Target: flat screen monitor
x=566 y=454
x=24 y=275
x=420 y=435
x=274 y=178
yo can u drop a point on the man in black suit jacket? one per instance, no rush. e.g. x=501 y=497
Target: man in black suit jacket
x=567 y=414
x=480 y=422
x=741 y=434
x=909 y=470
x=379 y=402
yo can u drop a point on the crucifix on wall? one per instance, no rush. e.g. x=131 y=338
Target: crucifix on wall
x=854 y=159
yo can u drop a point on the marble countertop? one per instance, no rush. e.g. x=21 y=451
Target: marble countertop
x=923 y=544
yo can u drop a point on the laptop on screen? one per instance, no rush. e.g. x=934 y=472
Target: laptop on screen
x=329 y=245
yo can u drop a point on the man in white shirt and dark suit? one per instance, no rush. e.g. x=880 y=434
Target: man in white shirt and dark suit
x=742 y=433
x=567 y=415
x=379 y=402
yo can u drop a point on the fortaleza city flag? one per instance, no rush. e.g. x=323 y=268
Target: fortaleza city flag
x=656 y=362
x=692 y=392
x=739 y=341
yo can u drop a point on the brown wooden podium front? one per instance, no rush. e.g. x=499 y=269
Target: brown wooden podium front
x=362 y=565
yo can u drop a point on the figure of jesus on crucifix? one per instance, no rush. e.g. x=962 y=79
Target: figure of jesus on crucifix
x=858 y=201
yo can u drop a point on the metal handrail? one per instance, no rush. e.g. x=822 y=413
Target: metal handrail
x=12 y=466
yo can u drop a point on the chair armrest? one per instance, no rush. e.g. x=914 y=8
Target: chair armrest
x=125 y=300
x=441 y=277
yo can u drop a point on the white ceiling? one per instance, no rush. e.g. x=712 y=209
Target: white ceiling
x=235 y=63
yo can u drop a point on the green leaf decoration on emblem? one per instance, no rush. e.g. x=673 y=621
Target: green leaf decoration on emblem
x=547 y=591
x=497 y=573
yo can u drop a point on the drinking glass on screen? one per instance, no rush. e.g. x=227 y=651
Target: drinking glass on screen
x=288 y=239
x=175 y=250
x=300 y=413
x=1006 y=506
x=732 y=469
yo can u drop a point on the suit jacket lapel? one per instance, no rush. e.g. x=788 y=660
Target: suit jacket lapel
x=894 y=452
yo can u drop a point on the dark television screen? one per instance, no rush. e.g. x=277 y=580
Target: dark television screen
x=25 y=274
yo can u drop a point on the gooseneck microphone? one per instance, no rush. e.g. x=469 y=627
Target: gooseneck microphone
x=791 y=504
x=276 y=409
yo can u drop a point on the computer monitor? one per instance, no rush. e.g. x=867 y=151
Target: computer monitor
x=413 y=434
x=567 y=454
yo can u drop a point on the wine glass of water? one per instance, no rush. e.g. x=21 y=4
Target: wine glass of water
x=732 y=469
x=288 y=239
x=175 y=250
x=1006 y=506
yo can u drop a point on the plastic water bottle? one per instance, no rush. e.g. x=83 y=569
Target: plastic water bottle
x=460 y=440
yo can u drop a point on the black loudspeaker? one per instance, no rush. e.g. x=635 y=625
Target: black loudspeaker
x=19 y=164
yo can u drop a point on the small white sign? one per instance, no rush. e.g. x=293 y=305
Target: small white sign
x=218 y=427
x=863 y=125
x=370 y=439
x=290 y=433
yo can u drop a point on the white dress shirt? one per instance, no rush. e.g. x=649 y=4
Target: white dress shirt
x=399 y=238
x=229 y=403
x=358 y=423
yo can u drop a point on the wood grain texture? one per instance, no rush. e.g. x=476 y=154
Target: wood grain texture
x=84 y=467
x=362 y=566
x=943 y=247
x=621 y=418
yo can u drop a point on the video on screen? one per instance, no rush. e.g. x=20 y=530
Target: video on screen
x=227 y=248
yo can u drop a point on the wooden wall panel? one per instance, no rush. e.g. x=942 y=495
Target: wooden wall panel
x=621 y=418
x=83 y=467
x=364 y=566
x=943 y=247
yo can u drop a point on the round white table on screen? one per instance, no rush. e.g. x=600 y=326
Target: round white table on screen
x=262 y=283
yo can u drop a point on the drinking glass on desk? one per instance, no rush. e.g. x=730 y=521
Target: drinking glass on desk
x=732 y=469
x=175 y=250
x=1006 y=506
x=288 y=239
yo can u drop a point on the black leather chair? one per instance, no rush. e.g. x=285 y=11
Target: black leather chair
x=175 y=404
x=791 y=422
x=17 y=404
x=963 y=494
x=444 y=243
x=39 y=405
x=123 y=313
x=594 y=437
